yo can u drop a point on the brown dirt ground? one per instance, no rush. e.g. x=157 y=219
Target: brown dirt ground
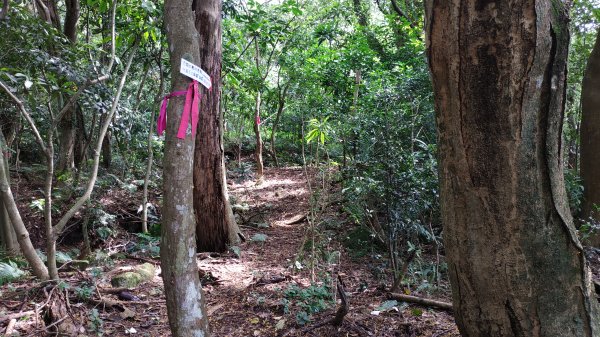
x=244 y=296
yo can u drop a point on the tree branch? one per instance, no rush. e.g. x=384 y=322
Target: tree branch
x=5 y=7
x=27 y=116
x=71 y=212
x=400 y=12
x=421 y=301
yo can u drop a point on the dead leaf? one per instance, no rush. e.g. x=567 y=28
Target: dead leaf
x=280 y=324
x=212 y=309
x=126 y=313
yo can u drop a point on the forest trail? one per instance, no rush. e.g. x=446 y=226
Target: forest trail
x=268 y=290
x=264 y=292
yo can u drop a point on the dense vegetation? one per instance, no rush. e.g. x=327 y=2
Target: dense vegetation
x=340 y=86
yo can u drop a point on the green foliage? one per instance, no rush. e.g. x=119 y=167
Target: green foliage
x=38 y=205
x=574 y=188
x=10 y=271
x=310 y=300
x=318 y=130
x=590 y=226
x=147 y=245
x=95 y=322
x=85 y=291
x=258 y=237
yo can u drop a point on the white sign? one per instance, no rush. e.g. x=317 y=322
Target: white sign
x=193 y=71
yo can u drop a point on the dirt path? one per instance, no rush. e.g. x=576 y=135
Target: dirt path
x=269 y=289
x=241 y=305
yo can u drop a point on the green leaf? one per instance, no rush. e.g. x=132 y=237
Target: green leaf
x=62 y=257
x=259 y=237
x=9 y=271
x=312 y=135
x=236 y=251
x=387 y=305
x=416 y=312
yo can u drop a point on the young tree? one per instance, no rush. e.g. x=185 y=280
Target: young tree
x=498 y=72
x=8 y=238
x=215 y=224
x=590 y=133
x=185 y=302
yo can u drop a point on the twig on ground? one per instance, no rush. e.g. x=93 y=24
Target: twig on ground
x=17 y=315
x=113 y=290
x=295 y=220
x=421 y=301
x=10 y=328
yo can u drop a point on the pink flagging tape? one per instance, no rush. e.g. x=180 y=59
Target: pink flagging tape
x=190 y=109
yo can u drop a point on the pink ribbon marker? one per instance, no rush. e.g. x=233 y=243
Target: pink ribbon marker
x=257 y=120
x=192 y=97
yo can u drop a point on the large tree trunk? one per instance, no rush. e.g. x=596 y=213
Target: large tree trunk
x=185 y=302
x=214 y=228
x=515 y=263
x=590 y=133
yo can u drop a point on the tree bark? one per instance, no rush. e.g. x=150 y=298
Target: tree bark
x=37 y=265
x=47 y=11
x=66 y=131
x=5 y=7
x=8 y=238
x=280 y=107
x=107 y=151
x=67 y=125
x=214 y=229
x=515 y=263
x=259 y=143
x=185 y=303
x=71 y=19
x=590 y=133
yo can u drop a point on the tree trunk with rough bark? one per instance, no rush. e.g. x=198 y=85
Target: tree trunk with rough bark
x=515 y=263
x=215 y=230
x=185 y=302
x=590 y=134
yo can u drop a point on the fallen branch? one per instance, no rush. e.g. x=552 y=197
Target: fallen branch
x=297 y=219
x=17 y=315
x=421 y=301
x=10 y=328
x=270 y=280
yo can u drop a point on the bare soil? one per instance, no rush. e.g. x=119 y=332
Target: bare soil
x=287 y=266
